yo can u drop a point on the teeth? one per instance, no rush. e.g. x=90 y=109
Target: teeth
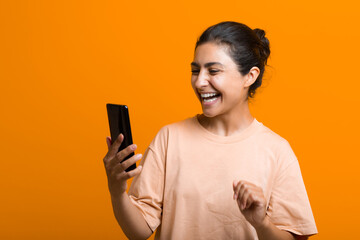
x=209 y=100
x=206 y=95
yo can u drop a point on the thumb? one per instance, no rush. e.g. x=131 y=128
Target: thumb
x=108 y=142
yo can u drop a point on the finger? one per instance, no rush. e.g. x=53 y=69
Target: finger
x=120 y=156
x=242 y=186
x=126 y=175
x=235 y=182
x=120 y=167
x=115 y=146
x=256 y=197
x=134 y=172
x=108 y=142
x=244 y=198
x=237 y=189
x=252 y=199
x=242 y=193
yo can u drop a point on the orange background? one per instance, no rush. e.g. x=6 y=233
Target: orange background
x=62 y=61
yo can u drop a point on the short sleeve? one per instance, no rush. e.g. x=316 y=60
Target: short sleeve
x=147 y=189
x=289 y=207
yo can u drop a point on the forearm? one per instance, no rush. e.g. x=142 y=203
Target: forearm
x=268 y=231
x=129 y=218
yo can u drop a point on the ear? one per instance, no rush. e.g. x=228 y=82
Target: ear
x=252 y=76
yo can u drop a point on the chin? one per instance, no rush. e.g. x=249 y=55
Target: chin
x=210 y=114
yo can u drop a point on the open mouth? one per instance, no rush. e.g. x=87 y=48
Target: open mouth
x=209 y=97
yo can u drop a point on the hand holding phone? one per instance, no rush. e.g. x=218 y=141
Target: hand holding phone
x=120 y=161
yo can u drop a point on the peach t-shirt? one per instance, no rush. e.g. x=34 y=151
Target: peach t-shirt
x=185 y=188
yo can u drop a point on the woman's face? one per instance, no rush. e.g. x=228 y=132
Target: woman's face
x=216 y=80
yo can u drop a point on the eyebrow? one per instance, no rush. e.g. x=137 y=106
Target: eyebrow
x=209 y=64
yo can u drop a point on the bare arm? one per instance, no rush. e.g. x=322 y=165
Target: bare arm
x=129 y=218
x=127 y=215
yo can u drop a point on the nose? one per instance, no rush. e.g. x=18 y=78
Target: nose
x=201 y=80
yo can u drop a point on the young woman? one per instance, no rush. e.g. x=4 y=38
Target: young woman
x=221 y=174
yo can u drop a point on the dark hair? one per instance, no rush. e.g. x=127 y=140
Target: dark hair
x=247 y=47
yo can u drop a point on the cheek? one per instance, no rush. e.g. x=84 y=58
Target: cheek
x=236 y=84
x=193 y=82
x=219 y=84
x=231 y=88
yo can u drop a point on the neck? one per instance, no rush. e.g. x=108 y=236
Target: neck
x=229 y=123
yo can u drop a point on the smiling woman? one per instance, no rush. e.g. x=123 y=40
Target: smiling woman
x=221 y=88
x=221 y=174
x=246 y=47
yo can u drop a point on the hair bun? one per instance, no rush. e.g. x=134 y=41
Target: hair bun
x=264 y=44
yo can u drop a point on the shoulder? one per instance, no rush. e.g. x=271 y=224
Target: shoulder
x=276 y=144
x=186 y=125
x=271 y=138
x=180 y=125
x=173 y=129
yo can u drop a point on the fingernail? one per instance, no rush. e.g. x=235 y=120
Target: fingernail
x=138 y=156
x=140 y=168
x=133 y=147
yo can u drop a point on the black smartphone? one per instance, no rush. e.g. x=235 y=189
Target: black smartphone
x=119 y=122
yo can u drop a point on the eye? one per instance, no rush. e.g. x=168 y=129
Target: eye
x=195 y=72
x=213 y=71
